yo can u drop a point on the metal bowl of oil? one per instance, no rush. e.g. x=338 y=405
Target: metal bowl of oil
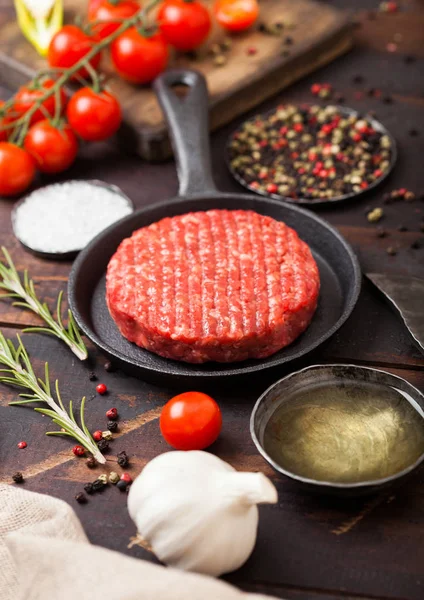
x=341 y=429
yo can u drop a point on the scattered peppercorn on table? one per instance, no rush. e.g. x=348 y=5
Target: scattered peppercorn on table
x=309 y=548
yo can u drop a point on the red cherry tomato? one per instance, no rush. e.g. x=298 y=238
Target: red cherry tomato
x=139 y=58
x=191 y=421
x=94 y=116
x=54 y=149
x=93 y=5
x=236 y=15
x=28 y=94
x=68 y=46
x=185 y=25
x=17 y=169
x=109 y=12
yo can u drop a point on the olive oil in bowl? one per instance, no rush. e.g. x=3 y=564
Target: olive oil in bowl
x=341 y=425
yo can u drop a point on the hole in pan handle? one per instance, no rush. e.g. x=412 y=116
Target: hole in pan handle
x=188 y=121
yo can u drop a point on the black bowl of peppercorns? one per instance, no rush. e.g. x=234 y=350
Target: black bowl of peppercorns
x=311 y=154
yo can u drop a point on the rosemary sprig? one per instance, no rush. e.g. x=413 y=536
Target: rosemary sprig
x=20 y=373
x=24 y=291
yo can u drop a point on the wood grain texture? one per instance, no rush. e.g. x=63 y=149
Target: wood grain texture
x=320 y=35
x=309 y=548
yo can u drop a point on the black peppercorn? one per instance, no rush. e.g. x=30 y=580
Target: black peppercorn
x=123 y=459
x=92 y=376
x=402 y=228
x=91 y=462
x=288 y=41
x=112 y=425
x=18 y=477
x=381 y=232
x=358 y=79
x=81 y=498
x=98 y=485
x=108 y=366
x=262 y=28
x=388 y=100
x=417 y=244
x=409 y=59
x=122 y=485
x=191 y=54
x=89 y=488
x=413 y=132
x=103 y=445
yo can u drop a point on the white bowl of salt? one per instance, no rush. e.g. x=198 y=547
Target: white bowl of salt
x=57 y=221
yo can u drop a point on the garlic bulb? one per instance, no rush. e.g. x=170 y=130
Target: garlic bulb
x=197 y=512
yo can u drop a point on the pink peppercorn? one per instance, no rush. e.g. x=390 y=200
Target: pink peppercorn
x=126 y=477
x=97 y=435
x=112 y=413
x=78 y=450
x=391 y=7
x=251 y=50
x=22 y=445
x=271 y=188
x=101 y=389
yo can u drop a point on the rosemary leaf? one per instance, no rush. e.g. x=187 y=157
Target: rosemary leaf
x=20 y=373
x=24 y=290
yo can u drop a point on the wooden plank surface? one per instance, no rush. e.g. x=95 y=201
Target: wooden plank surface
x=309 y=548
x=320 y=34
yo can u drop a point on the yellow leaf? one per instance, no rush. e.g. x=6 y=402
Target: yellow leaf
x=39 y=21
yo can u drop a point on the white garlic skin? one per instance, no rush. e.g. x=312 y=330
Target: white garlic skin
x=197 y=512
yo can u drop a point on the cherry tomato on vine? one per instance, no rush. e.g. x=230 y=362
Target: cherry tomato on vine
x=94 y=116
x=17 y=169
x=185 y=24
x=68 y=46
x=138 y=57
x=30 y=93
x=236 y=15
x=191 y=421
x=108 y=11
x=54 y=149
x=93 y=5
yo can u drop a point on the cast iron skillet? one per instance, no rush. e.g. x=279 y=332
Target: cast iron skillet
x=187 y=119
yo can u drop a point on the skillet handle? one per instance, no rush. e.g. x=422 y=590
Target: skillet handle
x=188 y=122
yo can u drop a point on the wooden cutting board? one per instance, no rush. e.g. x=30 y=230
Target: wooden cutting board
x=318 y=33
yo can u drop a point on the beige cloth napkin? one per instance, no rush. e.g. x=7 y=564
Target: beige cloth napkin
x=45 y=554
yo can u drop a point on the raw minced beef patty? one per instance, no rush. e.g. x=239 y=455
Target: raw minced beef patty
x=218 y=286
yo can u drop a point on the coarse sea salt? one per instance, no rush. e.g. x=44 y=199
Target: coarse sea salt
x=65 y=217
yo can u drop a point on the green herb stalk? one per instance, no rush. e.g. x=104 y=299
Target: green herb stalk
x=24 y=292
x=20 y=373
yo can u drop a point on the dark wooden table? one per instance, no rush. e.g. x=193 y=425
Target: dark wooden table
x=308 y=547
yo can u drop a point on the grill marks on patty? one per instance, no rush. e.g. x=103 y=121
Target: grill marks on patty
x=212 y=278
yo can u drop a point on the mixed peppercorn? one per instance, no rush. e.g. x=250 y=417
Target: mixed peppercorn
x=310 y=153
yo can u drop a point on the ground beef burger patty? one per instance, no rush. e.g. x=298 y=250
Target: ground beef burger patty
x=218 y=286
